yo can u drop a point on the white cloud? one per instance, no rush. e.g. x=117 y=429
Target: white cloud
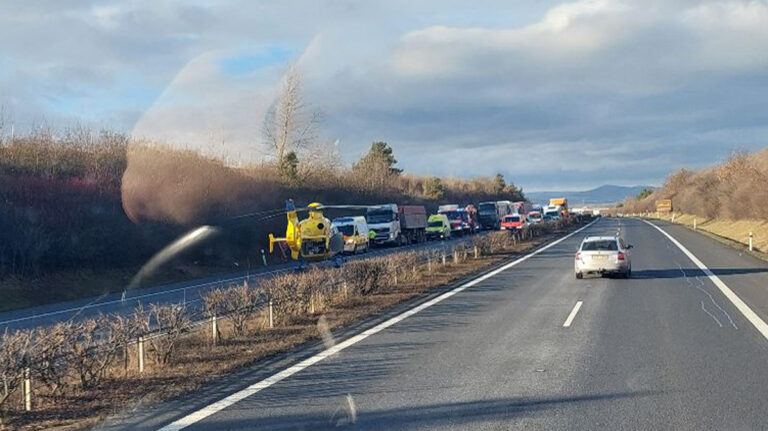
x=596 y=90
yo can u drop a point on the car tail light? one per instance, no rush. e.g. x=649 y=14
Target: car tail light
x=621 y=255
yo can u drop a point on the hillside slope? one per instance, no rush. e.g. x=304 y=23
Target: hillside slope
x=606 y=194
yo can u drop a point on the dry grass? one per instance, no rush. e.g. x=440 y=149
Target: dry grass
x=733 y=190
x=734 y=230
x=301 y=302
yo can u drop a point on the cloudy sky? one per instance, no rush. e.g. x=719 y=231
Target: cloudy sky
x=556 y=95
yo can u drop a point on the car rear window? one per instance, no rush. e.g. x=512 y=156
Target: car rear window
x=602 y=245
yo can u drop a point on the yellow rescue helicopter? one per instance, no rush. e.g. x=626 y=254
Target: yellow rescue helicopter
x=311 y=239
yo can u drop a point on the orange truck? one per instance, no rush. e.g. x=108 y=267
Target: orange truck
x=562 y=203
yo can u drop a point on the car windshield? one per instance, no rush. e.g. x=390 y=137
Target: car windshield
x=600 y=245
x=487 y=209
x=346 y=229
x=176 y=177
x=379 y=217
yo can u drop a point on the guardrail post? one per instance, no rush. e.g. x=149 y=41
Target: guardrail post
x=27 y=390
x=477 y=250
x=263 y=257
x=311 y=304
x=455 y=257
x=751 y=236
x=140 y=353
x=673 y=217
x=429 y=265
x=214 y=330
x=443 y=257
x=271 y=322
x=694 y=223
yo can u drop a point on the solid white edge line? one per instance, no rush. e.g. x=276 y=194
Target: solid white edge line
x=572 y=316
x=217 y=406
x=750 y=315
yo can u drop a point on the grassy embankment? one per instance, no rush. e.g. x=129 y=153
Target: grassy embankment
x=727 y=200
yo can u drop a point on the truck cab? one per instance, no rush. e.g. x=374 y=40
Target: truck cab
x=457 y=218
x=488 y=215
x=383 y=221
x=438 y=227
x=400 y=225
x=513 y=221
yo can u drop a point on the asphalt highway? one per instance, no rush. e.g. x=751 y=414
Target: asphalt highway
x=527 y=347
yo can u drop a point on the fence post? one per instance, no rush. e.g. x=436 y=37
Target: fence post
x=429 y=264
x=311 y=304
x=455 y=257
x=140 y=352
x=214 y=330
x=443 y=257
x=271 y=322
x=263 y=257
x=751 y=236
x=27 y=390
x=476 y=252
x=346 y=290
x=694 y=223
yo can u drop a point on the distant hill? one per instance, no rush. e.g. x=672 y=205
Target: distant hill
x=607 y=194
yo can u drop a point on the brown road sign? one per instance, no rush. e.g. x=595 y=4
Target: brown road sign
x=664 y=205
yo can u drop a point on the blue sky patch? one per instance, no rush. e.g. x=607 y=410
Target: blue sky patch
x=250 y=62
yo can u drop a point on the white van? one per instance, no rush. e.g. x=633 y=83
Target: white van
x=355 y=232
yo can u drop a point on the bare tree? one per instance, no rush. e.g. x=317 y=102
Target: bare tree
x=172 y=322
x=239 y=304
x=290 y=124
x=53 y=363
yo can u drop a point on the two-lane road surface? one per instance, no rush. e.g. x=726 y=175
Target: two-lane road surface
x=529 y=347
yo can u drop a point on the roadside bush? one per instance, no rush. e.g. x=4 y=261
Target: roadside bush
x=170 y=322
x=239 y=303
x=53 y=365
x=365 y=276
x=96 y=344
x=403 y=267
x=16 y=349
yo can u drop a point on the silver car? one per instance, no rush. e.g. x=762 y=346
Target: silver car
x=603 y=255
